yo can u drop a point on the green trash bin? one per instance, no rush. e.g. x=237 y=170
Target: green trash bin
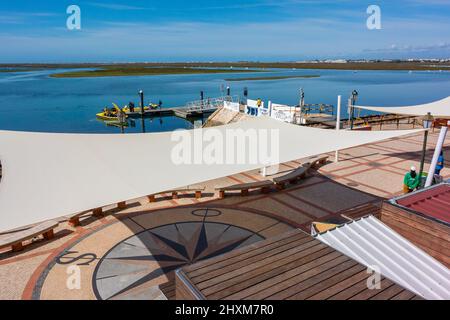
x=423 y=180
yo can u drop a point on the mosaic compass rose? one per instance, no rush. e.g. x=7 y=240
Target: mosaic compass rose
x=136 y=266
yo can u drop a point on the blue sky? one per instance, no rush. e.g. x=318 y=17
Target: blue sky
x=211 y=30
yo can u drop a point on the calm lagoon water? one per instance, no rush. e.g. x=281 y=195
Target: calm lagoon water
x=32 y=101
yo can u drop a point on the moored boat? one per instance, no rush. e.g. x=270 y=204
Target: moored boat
x=111 y=114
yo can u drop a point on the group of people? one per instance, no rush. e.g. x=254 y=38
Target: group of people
x=108 y=112
x=412 y=179
x=121 y=116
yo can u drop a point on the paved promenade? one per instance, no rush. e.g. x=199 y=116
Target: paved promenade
x=133 y=253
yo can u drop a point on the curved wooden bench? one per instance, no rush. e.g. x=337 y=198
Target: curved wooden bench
x=198 y=193
x=15 y=240
x=74 y=219
x=318 y=161
x=245 y=187
x=291 y=177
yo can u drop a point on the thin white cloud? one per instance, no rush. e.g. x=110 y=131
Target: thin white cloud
x=430 y=2
x=442 y=46
x=119 y=7
x=9 y=17
x=275 y=3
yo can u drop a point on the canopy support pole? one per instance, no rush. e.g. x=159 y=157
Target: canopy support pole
x=338 y=124
x=270 y=108
x=437 y=153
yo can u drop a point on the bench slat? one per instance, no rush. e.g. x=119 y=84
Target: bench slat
x=246 y=186
x=292 y=175
x=76 y=215
x=189 y=189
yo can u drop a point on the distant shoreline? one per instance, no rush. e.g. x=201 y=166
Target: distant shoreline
x=272 y=78
x=140 y=71
x=133 y=69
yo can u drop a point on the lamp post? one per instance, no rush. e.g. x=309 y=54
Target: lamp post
x=353 y=102
x=202 y=97
x=302 y=97
x=302 y=101
x=141 y=94
x=245 y=94
x=427 y=121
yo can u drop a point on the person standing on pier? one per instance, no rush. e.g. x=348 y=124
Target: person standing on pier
x=259 y=102
x=440 y=164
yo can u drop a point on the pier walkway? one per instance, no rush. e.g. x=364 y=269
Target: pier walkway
x=194 y=109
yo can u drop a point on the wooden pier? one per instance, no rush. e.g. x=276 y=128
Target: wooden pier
x=192 y=110
x=181 y=112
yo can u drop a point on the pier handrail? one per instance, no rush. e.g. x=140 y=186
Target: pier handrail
x=209 y=103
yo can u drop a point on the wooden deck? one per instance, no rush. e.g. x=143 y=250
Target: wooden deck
x=181 y=112
x=168 y=289
x=292 y=266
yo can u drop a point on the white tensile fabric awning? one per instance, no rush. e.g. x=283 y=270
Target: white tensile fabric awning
x=439 y=108
x=46 y=176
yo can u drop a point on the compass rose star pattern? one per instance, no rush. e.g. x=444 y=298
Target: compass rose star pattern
x=136 y=266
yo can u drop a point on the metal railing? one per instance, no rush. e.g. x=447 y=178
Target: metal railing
x=209 y=103
x=317 y=108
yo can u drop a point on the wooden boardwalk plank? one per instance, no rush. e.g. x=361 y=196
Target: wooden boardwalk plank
x=351 y=291
x=310 y=281
x=291 y=281
x=227 y=267
x=404 y=295
x=276 y=275
x=388 y=293
x=367 y=294
x=322 y=285
x=341 y=286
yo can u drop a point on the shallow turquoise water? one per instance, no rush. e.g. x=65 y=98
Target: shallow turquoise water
x=32 y=101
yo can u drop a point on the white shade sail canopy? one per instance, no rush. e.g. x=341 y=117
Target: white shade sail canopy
x=439 y=108
x=47 y=175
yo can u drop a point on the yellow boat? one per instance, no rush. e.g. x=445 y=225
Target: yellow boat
x=110 y=115
x=107 y=117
